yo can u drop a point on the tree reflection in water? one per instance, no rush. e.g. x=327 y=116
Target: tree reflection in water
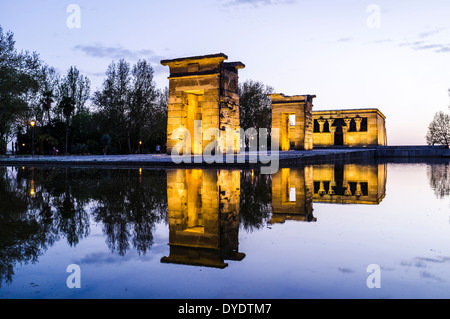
x=439 y=176
x=256 y=199
x=129 y=205
x=42 y=206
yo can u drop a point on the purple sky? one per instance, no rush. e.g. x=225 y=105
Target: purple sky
x=391 y=55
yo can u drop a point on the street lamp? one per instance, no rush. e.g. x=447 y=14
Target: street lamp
x=32 y=123
x=139 y=148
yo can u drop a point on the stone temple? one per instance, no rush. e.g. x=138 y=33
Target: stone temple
x=203 y=95
x=354 y=128
x=292 y=115
x=204 y=108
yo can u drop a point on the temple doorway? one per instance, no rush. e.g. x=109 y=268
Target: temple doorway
x=339 y=133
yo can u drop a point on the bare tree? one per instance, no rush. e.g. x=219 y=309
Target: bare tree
x=439 y=129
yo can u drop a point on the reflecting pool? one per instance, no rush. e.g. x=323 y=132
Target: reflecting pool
x=344 y=230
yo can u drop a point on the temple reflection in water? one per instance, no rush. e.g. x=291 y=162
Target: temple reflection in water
x=294 y=190
x=204 y=205
x=349 y=183
x=292 y=195
x=203 y=211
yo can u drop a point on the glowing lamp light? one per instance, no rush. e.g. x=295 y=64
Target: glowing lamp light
x=32 y=123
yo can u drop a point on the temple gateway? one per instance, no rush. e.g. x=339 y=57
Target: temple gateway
x=203 y=98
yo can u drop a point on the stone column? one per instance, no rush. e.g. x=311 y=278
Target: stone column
x=358 y=123
x=358 y=191
x=321 y=124
x=332 y=131
x=322 y=190
x=344 y=133
x=330 y=190
x=347 y=122
x=347 y=191
x=330 y=122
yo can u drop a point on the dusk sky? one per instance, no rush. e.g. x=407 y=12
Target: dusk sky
x=390 y=55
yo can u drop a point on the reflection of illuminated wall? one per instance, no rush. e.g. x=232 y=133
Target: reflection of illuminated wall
x=291 y=195
x=203 y=214
x=295 y=189
x=349 y=183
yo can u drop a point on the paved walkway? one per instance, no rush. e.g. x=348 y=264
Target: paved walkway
x=167 y=160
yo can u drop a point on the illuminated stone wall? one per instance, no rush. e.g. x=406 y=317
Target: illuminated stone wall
x=292 y=195
x=203 y=88
x=296 y=134
x=349 y=183
x=359 y=128
x=203 y=211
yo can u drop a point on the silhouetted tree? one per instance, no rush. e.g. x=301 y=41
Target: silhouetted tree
x=67 y=104
x=76 y=86
x=439 y=129
x=129 y=100
x=47 y=101
x=19 y=82
x=255 y=105
x=113 y=100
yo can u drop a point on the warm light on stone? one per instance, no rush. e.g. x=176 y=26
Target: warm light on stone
x=203 y=212
x=357 y=128
x=298 y=136
x=294 y=190
x=203 y=95
x=349 y=183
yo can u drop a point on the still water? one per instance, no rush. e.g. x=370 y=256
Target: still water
x=319 y=231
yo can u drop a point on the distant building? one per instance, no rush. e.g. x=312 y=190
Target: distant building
x=354 y=128
x=301 y=128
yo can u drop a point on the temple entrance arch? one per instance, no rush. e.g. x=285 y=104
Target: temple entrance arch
x=287 y=131
x=339 y=136
x=339 y=124
x=203 y=97
x=292 y=116
x=193 y=107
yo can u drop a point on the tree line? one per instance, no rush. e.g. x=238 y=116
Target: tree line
x=127 y=115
